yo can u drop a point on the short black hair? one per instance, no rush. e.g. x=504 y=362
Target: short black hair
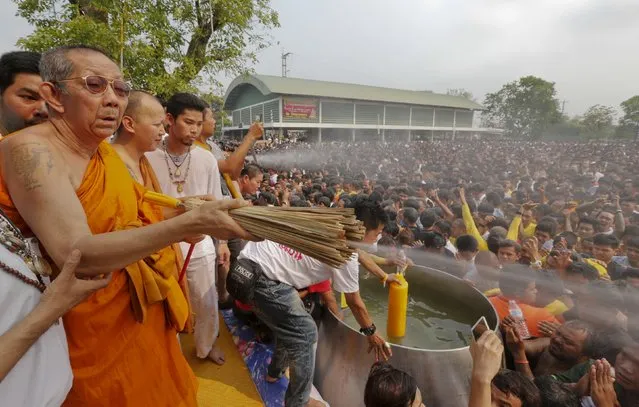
x=633 y=242
x=427 y=219
x=467 y=243
x=180 y=102
x=590 y=221
x=518 y=385
x=17 y=62
x=570 y=237
x=547 y=226
x=411 y=203
x=602 y=239
x=584 y=269
x=251 y=170
x=389 y=387
x=514 y=279
x=432 y=240
x=369 y=212
x=504 y=243
x=411 y=215
x=556 y=394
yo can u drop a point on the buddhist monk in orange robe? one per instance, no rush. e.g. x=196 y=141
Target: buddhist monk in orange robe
x=141 y=131
x=64 y=184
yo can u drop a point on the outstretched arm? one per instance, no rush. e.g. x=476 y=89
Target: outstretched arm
x=39 y=183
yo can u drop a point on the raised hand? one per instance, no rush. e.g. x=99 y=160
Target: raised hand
x=601 y=385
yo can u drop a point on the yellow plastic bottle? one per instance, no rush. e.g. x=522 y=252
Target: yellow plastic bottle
x=343 y=303
x=397 y=306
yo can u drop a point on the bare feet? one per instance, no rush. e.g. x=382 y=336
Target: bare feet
x=217 y=356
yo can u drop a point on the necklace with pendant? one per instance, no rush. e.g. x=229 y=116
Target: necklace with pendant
x=175 y=176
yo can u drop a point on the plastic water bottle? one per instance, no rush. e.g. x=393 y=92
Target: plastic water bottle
x=402 y=257
x=518 y=315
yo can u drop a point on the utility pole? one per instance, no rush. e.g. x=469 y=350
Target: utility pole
x=284 y=68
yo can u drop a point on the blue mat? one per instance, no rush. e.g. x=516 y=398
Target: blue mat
x=257 y=357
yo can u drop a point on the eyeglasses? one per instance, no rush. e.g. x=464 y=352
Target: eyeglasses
x=98 y=85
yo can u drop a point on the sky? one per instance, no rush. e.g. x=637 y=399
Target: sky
x=589 y=48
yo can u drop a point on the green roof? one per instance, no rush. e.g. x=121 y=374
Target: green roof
x=277 y=85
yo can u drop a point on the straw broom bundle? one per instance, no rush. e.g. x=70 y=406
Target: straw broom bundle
x=321 y=233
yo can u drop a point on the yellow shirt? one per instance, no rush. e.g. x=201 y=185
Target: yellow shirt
x=603 y=272
x=513 y=230
x=557 y=307
x=471 y=228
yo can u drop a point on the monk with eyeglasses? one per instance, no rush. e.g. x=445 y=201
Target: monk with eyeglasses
x=64 y=184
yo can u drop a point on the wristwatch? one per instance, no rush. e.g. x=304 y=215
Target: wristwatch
x=369 y=331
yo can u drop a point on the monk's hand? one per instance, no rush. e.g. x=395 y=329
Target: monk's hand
x=212 y=218
x=67 y=290
x=378 y=345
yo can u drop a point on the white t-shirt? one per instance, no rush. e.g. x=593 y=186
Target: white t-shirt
x=203 y=179
x=43 y=376
x=283 y=264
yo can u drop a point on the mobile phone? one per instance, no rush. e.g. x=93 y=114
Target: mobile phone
x=479 y=328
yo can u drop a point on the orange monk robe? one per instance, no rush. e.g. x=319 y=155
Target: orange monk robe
x=203 y=145
x=123 y=350
x=151 y=183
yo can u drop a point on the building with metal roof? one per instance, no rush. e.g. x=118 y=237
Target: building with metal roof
x=326 y=111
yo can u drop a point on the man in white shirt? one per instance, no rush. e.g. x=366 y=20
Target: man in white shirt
x=34 y=358
x=185 y=170
x=281 y=272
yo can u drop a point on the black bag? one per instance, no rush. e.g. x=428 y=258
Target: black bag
x=241 y=280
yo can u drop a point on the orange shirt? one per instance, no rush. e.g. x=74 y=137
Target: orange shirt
x=533 y=315
x=122 y=339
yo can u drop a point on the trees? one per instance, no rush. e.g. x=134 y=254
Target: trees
x=165 y=45
x=598 y=121
x=460 y=92
x=629 y=123
x=523 y=108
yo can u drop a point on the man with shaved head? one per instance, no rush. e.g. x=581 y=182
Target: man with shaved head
x=62 y=182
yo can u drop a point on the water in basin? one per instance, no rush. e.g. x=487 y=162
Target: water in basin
x=435 y=319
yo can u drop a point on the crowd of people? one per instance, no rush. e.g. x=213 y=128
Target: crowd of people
x=95 y=287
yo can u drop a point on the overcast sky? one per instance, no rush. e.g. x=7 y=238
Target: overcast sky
x=590 y=48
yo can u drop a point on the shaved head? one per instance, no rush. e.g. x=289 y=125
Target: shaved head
x=138 y=100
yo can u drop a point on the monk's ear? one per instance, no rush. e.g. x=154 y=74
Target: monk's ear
x=52 y=95
x=128 y=123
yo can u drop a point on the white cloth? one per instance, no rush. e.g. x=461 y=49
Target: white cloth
x=451 y=247
x=283 y=264
x=203 y=179
x=203 y=294
x=43 y=376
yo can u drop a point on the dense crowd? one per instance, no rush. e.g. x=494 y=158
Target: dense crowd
x=549 y=232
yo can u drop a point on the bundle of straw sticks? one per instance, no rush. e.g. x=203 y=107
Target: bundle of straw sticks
x=321 y=233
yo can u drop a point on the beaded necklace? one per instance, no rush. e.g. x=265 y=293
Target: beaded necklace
x=12 y=239
x=175 y=176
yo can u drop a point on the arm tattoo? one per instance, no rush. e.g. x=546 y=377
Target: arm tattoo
x=26 y=159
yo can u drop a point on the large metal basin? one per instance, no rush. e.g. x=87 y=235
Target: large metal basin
x=443 y=376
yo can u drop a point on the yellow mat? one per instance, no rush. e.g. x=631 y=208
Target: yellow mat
x=228 y=385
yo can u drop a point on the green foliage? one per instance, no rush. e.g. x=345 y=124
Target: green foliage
x=598 y=121
x=167 y=45
x=629 y=124
x=461 y=92
x=523 y=108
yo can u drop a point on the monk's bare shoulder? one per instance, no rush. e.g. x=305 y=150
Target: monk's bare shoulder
x=27 y=159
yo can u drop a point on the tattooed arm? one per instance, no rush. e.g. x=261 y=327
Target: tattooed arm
x=39 y=182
